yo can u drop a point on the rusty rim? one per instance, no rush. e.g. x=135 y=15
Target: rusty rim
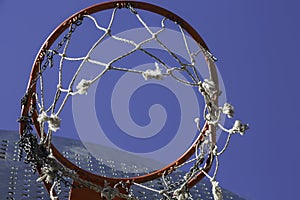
x=35 y=71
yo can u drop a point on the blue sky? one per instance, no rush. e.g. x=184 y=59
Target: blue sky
x=257 y=45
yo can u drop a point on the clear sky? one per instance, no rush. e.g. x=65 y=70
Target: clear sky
x=257 y=45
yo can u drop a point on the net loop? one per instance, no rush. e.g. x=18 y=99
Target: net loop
x=132 y=10
x=153 y=74
x=24 y=99
x=52 y=192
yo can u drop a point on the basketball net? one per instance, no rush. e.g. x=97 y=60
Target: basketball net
x=54 y=169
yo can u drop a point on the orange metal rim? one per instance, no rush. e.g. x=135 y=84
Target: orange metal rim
x=35 y=70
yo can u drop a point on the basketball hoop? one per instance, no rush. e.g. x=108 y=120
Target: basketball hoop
x=44 y=103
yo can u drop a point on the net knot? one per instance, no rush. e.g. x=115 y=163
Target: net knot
x=216 y=190
x=53 y=120
x=197 y=121
x=211 y=118
x=181 y=194
x=238 y=127
x=49 y=174
x=210 y=88
x=156 y=74
x=109 y=193
x=83 y=86
x=228 y=110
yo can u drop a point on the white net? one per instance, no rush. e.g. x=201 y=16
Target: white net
x=161 y=55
